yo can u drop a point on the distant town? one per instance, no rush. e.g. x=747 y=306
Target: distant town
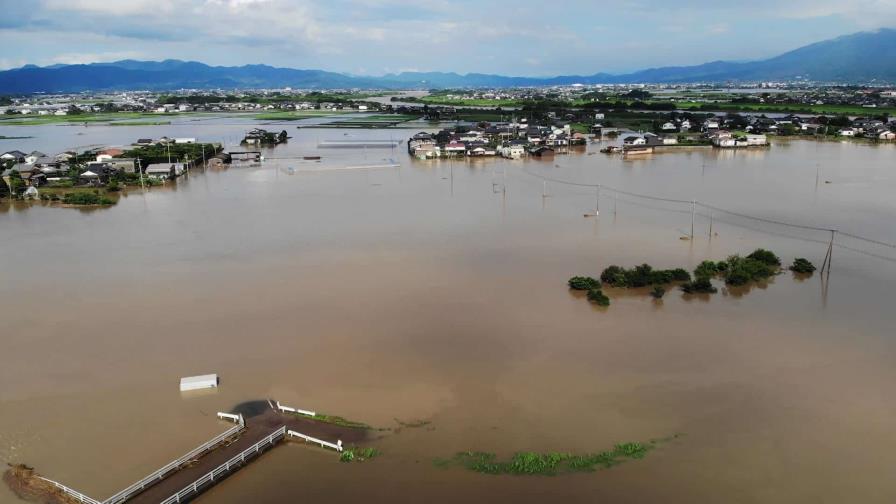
x=510 y=123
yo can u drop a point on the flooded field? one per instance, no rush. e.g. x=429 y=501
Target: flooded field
x=436 y=291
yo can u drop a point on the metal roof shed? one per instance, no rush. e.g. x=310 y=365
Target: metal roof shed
x=198 y=382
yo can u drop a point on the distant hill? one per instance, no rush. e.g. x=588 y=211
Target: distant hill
x=860 y=57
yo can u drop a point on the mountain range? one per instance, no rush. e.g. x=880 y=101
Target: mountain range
x=858 y=58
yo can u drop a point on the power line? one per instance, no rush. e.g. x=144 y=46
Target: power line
x=715 y=208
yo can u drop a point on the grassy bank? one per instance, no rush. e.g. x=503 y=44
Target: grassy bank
x=850 y=110
x=289 y=115
x=469 y=102
x=38 y=120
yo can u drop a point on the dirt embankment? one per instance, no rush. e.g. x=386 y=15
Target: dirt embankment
x=26 y=484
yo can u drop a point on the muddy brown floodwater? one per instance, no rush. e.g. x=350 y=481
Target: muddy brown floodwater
x=426 y=292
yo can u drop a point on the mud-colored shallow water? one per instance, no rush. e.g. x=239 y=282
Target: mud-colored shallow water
x=426 y=292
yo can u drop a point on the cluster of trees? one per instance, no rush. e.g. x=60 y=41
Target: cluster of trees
x=593 y=288
x=86 y=198
x=642 y=276
x=736 y=271
x=159 y=153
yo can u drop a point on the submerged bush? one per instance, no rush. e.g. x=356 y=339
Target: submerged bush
x=597 y=297
x=355 y=454
x=700 y=285
x=584 y=283
x=642 y=276
x=709 y=269
x=658 y=292
x=612 y=275
x=765 y=256
x=742 y=270
x=86 y=198
x=549 y=464
x=802 y=265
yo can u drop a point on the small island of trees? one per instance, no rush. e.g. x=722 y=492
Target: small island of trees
x=736 y=271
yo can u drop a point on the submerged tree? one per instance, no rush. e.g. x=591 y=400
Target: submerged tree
x=802 y=265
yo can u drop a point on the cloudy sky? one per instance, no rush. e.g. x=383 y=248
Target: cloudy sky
x=517 y=37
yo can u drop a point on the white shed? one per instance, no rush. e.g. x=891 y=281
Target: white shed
x=198 y=382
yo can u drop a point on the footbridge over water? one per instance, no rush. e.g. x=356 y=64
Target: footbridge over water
x=262 y=426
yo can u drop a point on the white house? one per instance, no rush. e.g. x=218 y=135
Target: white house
x=160 y=170
x=669 y=126
x=455 y=148
x=887 y=135
x=184 y=140
x=34 y=156
x=634 y=140
x=513 y=151
x=847 y=132
x=724 y=139
x=756 y=140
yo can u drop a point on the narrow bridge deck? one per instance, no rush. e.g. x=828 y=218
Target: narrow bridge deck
x=257 y=428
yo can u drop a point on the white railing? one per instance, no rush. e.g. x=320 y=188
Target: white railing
x=336 y=446
x=224 y=468
x=294 y=410
x=71 y=493
x=235 y=418
x=138 y=487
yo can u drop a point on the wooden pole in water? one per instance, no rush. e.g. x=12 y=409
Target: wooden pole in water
x=615 y=197
x=140 y=171
x=693 y=214
x=597 y=201
x=828 y=255
x=710 y=224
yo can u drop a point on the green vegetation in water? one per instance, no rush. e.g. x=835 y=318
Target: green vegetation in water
x=584 y=283
x=86 y=198
x=700 y=285
x=657 y=292
x=336 y=420
x=765 y=256
x=642 y=276
x=356 y=454
x=802 y=266
x=598 y=297
x=550 y=464
x=159 y=153
x=742 y=270
x=412 y=424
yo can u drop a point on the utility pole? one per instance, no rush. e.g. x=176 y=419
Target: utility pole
x=140 y=171
x=829 y=255
x=693 y=214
